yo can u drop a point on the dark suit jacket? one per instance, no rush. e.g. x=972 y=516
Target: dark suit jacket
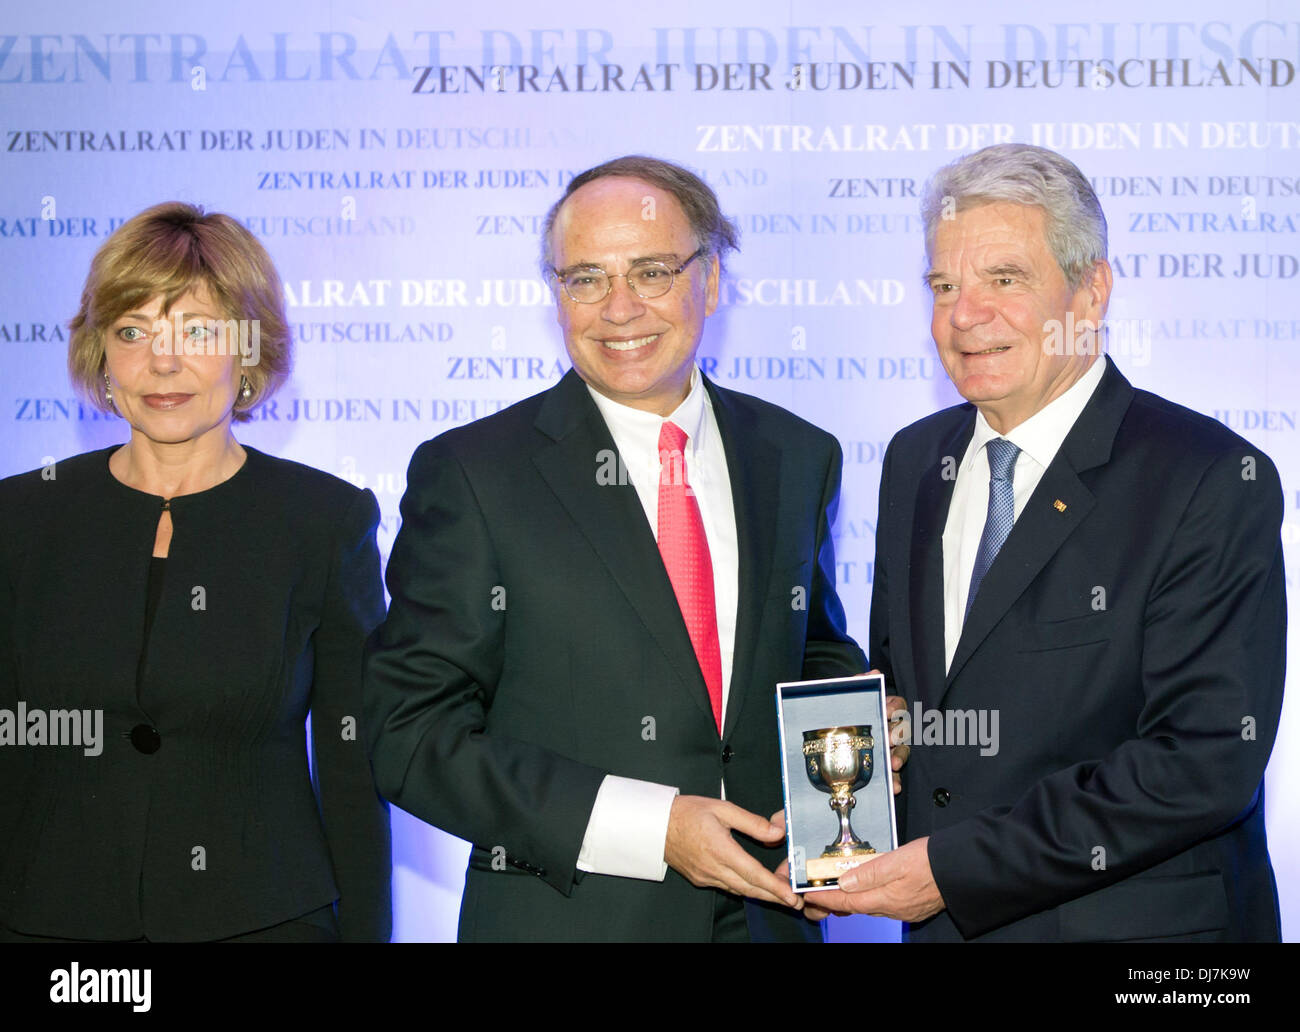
x=271 y=587
x=1133 y=645
x=534 y=645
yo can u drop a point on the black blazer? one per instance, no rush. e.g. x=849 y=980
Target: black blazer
x=534 y=645
x=1131 y=636
x=272 y=585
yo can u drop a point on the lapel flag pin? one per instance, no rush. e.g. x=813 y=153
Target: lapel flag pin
x=1058 y=505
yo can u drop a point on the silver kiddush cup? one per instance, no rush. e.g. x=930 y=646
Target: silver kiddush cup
x=838 y=760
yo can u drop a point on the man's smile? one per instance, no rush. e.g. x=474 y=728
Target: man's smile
x=630 y=344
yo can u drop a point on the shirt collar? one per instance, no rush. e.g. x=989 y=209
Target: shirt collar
x=1042 y=434
x=640 y=424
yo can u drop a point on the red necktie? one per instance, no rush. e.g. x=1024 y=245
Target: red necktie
x=685 y=552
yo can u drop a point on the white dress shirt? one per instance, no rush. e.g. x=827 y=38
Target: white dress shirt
x=629 y=821
x=1039 y=438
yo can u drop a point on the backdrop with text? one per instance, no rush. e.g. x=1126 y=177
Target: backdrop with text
x=396 y=158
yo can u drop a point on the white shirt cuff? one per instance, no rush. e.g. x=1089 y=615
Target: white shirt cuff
x=627 y=829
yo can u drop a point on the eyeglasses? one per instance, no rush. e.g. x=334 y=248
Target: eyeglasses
x=588 y=284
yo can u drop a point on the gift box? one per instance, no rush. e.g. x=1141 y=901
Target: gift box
x=839 y=800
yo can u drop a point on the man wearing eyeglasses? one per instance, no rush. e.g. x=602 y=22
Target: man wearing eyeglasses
x=594 y=594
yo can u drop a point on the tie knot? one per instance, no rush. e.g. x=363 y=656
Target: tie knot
x=672 y=438
x=1002 y=458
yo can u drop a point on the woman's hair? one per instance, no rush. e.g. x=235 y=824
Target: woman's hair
x=168 y=250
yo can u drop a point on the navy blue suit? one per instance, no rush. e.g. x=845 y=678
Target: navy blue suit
x=1131 y=635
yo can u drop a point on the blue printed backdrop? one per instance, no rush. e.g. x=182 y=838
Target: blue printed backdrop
x=396 y=158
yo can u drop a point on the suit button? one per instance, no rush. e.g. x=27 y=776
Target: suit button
x=941 y=797
x=146 y=739
x=727 y=754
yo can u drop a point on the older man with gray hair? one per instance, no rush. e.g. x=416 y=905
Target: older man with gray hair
x=1101 y=569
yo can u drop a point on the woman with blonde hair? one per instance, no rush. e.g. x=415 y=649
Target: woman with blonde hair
x=178 y=605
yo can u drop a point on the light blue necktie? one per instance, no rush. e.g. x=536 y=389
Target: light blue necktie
x=1002 y=511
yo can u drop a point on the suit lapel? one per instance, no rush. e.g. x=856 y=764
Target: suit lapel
x=753 y=466
x=1044 y=526
x=610 y=516
x=933 y=499
x=1035 y=538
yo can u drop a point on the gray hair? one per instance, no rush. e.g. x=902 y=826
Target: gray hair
x=715 y=234
x=1074 y=225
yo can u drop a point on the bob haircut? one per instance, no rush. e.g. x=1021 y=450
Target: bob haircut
x=168 y=250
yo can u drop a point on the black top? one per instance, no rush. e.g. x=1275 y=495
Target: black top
x=157 y=570
x=194 y=815
x=157 y=566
